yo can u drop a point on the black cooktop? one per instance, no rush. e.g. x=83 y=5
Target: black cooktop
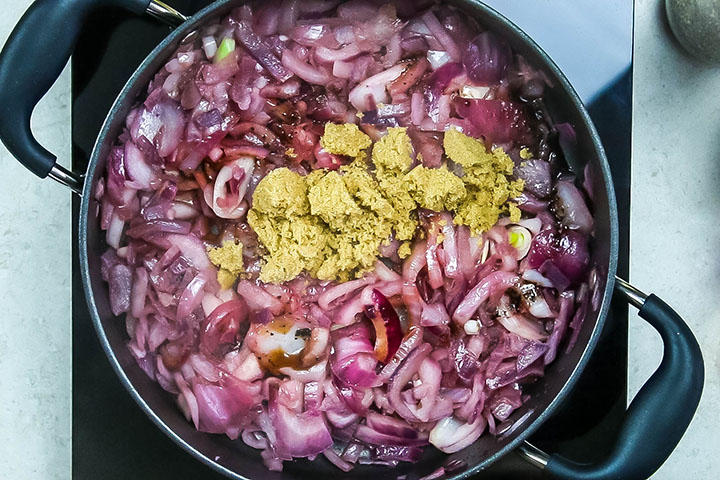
x=112 y=438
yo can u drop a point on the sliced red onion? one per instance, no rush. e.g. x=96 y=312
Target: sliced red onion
x=521 y=326
x=537 y=278
x=154 y=227
x=499 y=121
x=412 y=340
x=388 y=332
x=337 y=461
x=402 y=376
x=567 y=252
x=440 y=81
x=223 y=408
x=357 y=370
x=329 y=55
x=222 y=325
x=326 y=299
x=505 y=401
x=529 y=354
x=192 y=296
x=369 y=93
x=304 y=70
x=442 y=36
x=560 y=326
x=138 y=292
x=527 y=202
x=356 y=11
x=138 y=169
x=411 y=268
x=255 y=438
x=261 y=52
x=386 y=430
x=192 y=249
x=434 y=315
x=583 y=297
x=572 y=208
x=438 y=58
x=450 y=435
x=494 y=284
x=342 y=69
x=164 y=125
x=486 y=58
x=286 y=89
x=536 y=175
x=257 y=298
x=120 y=286
x=229 y=188
x=299 y=434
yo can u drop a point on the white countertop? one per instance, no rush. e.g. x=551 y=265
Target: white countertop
x=674 y=238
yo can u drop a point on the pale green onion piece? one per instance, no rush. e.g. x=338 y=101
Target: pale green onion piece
x=520 y=238
x=227 y=46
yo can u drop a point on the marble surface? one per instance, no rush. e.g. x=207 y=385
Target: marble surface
x=35 y=324
x=674 y=236
x=674 y=232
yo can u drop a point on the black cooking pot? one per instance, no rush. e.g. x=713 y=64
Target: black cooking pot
x=657 y=418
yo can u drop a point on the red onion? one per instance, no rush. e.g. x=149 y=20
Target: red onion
x=138 y=169
x=298 y=434
x=536 y=175
x=257 y=298
x=412 y=340
x=402 y=376
x=568 y=252
x=494 y=283
x=572 y=208
x=315 y=366
x=304 y=70
x=120 y=284
x=337 y=461
x=434 y=315
x=486 y=58
x=450 y=435
x=261 y=52
x=191 y=296
x=372 y=91
x=223 y=408
x=442 y=36
x=388 y=332
x=498 y=121
x=222 y=325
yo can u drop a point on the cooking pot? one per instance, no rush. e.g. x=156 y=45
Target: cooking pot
x=655 y=421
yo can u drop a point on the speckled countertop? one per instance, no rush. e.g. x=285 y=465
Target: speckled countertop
x=674 y=240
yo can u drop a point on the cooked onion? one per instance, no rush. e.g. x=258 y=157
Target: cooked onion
x=433 y=344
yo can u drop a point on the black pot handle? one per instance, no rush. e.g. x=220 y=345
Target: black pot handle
x=32 y=59
x=658 y=415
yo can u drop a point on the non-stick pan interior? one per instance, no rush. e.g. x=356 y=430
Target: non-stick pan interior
x=236 y=459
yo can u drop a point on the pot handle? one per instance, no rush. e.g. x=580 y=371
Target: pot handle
x=32 y=59
x=658 y=415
